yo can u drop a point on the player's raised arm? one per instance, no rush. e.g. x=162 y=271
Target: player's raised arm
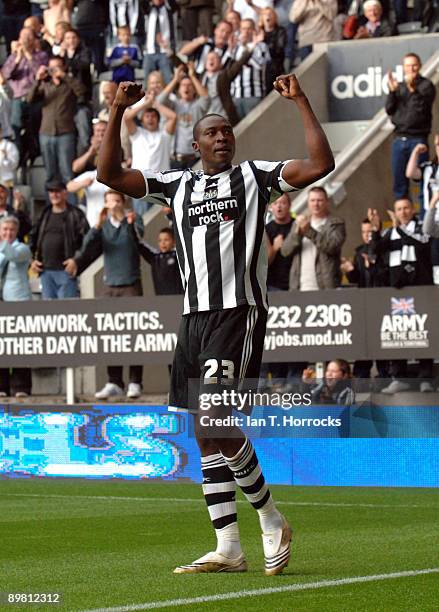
x=110 y=170
x=320 y=161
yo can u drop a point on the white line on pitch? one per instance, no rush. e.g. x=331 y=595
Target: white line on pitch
x=197 y=501
x=267 y=591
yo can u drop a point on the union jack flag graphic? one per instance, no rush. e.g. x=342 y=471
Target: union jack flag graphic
x=401 y=306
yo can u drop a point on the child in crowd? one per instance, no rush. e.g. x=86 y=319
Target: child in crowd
x=124 y=57
x=163 y=261
x=164 y=265
x=57 y=42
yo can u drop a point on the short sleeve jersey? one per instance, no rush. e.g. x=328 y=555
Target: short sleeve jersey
x=219 y=231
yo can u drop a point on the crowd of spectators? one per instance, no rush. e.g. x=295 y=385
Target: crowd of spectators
x=57 y=83
x=231 y=53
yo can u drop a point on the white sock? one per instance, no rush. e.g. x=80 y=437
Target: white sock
x=269 y=517
x=228 y=544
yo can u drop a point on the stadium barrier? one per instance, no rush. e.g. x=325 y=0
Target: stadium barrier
x=352 y=324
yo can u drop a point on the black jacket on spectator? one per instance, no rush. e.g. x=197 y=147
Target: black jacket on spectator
x=78 y=66
x=411 y=112
x=341 y=393
x=386 y=28
x=376 y=275
x=410 y=272
x=16 y=7
x=92 y=14
x=276 y=42
x=76 y=227
x=164 y=266
x=279 y=270
x=25 y=223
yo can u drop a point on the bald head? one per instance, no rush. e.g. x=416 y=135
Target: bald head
x=33 y=23
x=27 y=38
x=109 y=90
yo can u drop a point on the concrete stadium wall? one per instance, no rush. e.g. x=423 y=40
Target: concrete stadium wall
x=273 y=130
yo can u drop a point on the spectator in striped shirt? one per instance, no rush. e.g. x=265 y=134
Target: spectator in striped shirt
x=124 y=13
x=427 y=173
x=248 y=88
x=408 y=249
x=430 y=223
x=199 y=48
x=160 y=30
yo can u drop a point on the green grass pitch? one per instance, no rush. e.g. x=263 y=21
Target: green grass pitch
x=106 y=544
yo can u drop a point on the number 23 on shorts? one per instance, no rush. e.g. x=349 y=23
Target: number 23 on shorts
x=212 y=368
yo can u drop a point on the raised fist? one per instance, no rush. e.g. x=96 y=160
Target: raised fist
x=128 y=93
x=288 y=86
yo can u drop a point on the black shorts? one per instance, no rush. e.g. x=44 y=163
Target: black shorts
x=216 y=350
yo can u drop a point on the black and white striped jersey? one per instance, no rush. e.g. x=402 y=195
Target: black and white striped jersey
x=409 y=253
x=430 y=181
x=249 y=82
x=160 y=20
x=122 y=13
x=201 y=54
x=219 y=231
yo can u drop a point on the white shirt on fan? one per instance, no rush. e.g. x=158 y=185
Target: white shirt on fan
x=247 y=12
x=95 y=196
x=151 y=150
x=308 y=254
